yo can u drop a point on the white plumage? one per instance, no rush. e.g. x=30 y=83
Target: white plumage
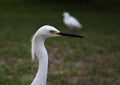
x=39 y=51
x=70 y=21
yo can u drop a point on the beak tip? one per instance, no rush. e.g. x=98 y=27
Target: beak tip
x=82 y=37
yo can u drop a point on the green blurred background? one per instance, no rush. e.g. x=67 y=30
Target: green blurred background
x=94 y=60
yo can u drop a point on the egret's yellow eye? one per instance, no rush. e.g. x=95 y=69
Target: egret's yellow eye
x=53 y=31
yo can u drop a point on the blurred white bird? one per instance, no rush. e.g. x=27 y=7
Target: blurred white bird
x=39 y=51
x=70 y=21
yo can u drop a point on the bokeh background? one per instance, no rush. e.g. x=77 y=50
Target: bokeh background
x=94 y=60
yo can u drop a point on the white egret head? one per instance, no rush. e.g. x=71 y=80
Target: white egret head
x=50 y=31
x=66 y=14
x=47 y=31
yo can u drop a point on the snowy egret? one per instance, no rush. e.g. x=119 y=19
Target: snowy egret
x=70 y=21
x=39 y=51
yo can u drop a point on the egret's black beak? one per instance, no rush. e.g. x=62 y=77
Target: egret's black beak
x=70 y=35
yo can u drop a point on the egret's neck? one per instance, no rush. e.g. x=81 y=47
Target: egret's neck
x=41 y=53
